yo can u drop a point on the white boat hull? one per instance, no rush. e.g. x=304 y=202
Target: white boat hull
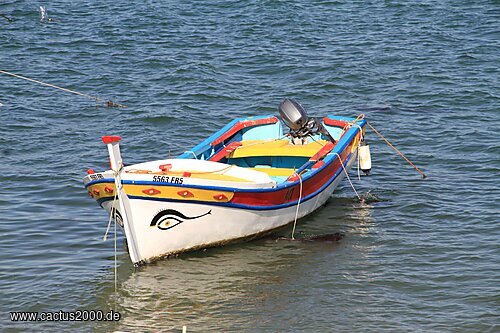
x=188 y=226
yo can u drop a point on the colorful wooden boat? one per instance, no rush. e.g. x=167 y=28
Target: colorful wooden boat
x=245 y=181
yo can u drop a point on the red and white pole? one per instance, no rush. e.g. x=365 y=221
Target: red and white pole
x=115 y=158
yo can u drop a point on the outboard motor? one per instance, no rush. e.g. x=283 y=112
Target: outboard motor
x=293 y=114
x=295 y=117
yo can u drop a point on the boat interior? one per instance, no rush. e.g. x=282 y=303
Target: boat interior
x=261 y=144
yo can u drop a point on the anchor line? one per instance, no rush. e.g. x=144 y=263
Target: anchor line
x=348 y=178
x=6 y=17
x=397 y=151
x=108 y=103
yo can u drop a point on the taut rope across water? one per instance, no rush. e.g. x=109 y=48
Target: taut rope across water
x=397 y=150
x=108 y=103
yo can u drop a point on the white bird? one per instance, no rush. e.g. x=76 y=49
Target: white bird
x=43 y=14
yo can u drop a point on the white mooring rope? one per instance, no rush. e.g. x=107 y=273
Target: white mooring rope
x=116 y=261
x=348 y=178
x=110 y=217
x=357 y=153
x=298 y=205
x=113 y=214
x=359 y=146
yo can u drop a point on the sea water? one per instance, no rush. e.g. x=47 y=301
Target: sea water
x=420 y=255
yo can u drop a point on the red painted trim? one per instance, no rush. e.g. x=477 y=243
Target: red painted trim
x=185 y=194
x=224 y=152
x=334 y=122
x=165 y=167
x=220 y=197
x=283 y=196
x=322 y=152
x=107 y=139
x=151 y=191
x=241 y=125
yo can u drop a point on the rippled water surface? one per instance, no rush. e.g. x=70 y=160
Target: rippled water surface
x=422 y=256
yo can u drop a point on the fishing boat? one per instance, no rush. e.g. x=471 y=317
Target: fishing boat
x=250 y=178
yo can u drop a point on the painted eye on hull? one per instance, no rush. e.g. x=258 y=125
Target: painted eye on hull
x=168 y=222
x=169 y=218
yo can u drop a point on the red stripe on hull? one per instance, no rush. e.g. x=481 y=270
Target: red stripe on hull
x=291 y=194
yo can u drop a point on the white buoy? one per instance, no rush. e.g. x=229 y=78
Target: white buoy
x=365 y=160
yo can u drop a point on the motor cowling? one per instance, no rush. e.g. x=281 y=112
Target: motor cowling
x=301 y=126
x=293 y=114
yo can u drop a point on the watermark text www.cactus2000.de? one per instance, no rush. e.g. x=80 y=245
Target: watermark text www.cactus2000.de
x=78 y=315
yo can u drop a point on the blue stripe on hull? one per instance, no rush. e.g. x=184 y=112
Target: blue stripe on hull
x=241 y=206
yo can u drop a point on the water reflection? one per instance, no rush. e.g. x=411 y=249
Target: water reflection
x=230 y=286
x=351 y=214
x=198 y=289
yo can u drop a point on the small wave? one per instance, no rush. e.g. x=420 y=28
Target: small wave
x=158 y=120
x=369 y=197
x=368 y=107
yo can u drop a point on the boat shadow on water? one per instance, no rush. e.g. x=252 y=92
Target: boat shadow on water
x=283 y=234
x=335 y=237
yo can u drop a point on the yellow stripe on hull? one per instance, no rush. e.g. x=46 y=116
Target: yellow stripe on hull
x=107 y=191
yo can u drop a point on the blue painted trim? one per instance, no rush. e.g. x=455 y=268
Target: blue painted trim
x=201 y=187
x=104 y=180
x=303 y=167
x=339 y=147
x=102 y=200
x=233 y=205
x=205 y=145
x=329 y=159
